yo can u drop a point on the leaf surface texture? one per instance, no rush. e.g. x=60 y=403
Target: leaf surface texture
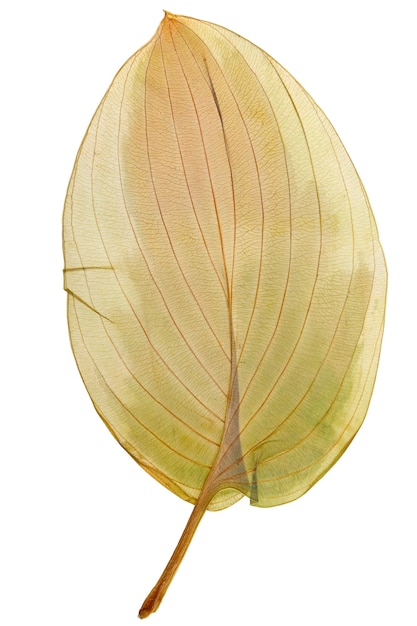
x=226 y=286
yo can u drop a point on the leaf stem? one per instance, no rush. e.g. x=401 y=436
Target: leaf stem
x=155 y=597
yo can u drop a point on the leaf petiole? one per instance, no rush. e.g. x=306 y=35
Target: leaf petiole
x=155 y=597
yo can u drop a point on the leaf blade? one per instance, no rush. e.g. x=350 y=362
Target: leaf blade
x=226 y=284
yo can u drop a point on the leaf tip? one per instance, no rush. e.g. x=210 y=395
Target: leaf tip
x=168 y=15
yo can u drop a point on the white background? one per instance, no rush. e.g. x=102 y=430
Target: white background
x=85 y=532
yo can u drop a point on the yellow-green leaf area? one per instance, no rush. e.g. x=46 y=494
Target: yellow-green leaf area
x=226 y=284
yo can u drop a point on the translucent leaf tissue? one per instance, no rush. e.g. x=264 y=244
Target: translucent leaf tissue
x=226 y=285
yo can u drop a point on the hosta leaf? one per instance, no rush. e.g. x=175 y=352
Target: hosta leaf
x=226 y=286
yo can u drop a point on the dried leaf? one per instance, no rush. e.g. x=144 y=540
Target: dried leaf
x=226 y=286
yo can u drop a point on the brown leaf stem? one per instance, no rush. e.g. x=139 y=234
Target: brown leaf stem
x=155 y=597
